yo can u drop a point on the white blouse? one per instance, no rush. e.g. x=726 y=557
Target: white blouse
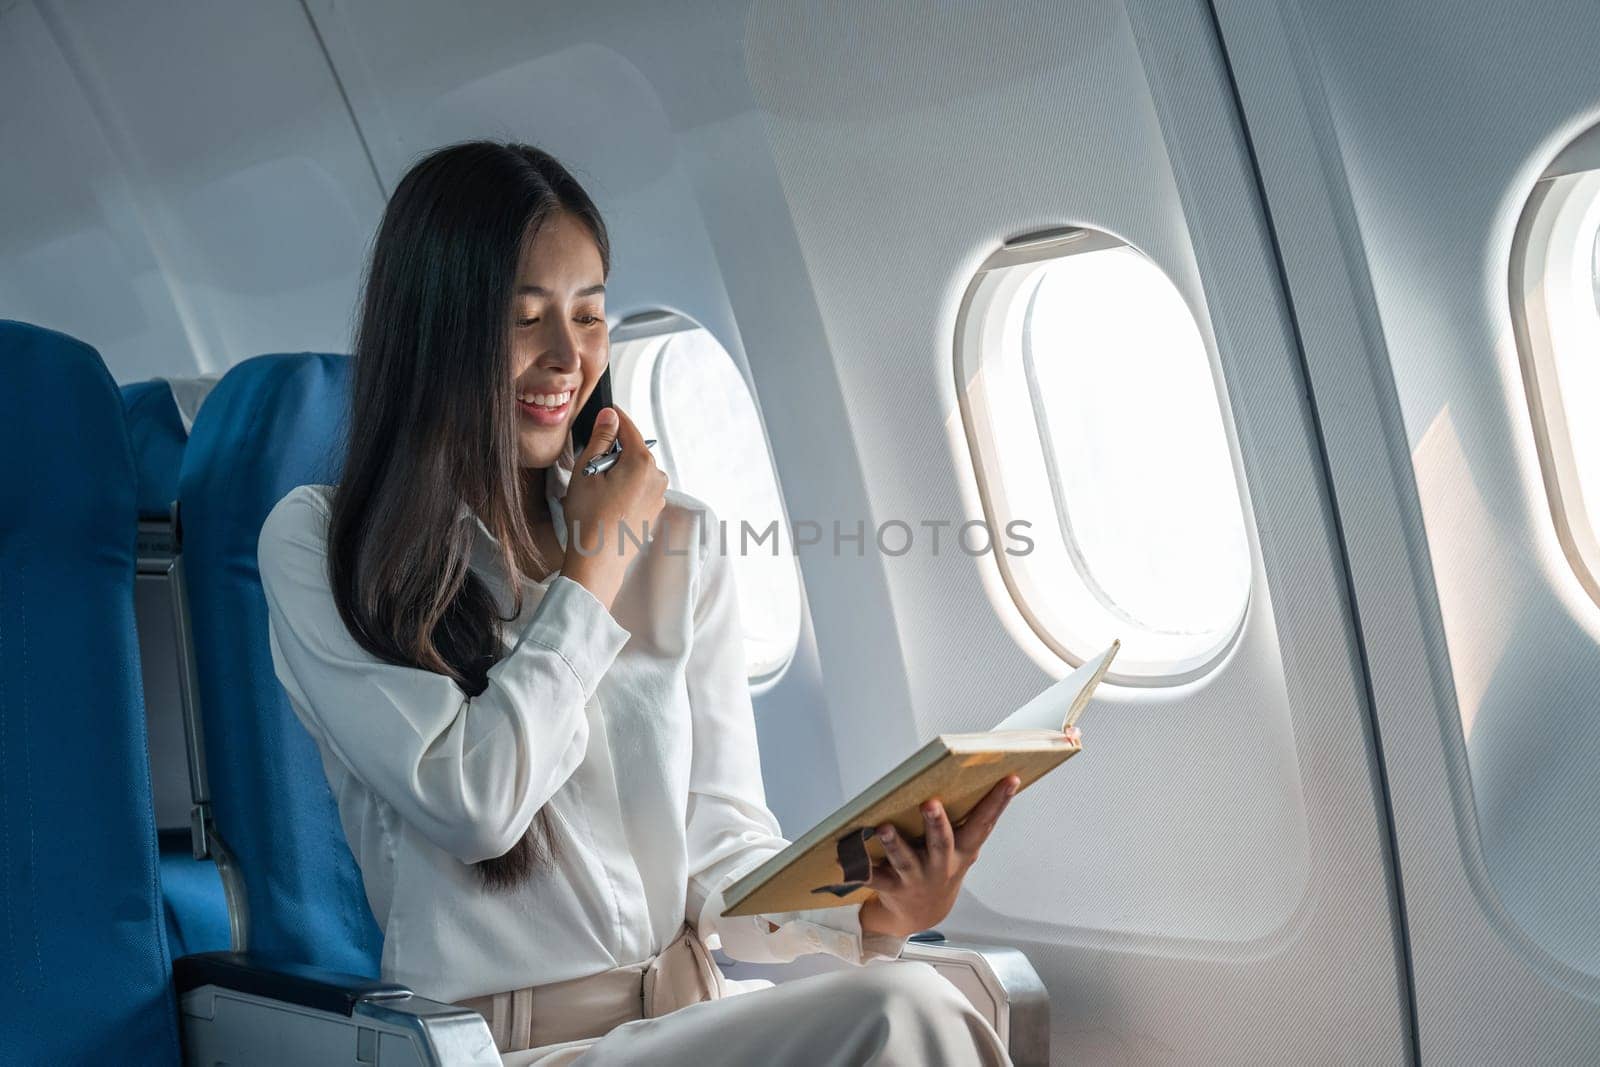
x=633 y=728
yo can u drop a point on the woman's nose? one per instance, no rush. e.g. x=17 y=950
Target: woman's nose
x=561 y=346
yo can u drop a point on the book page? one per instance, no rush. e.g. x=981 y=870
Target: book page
x=1059 y=706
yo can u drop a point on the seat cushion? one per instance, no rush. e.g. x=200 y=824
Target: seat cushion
x=195 y=908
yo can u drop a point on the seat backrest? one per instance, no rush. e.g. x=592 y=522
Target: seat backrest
x=271 y=423
x=84 y=964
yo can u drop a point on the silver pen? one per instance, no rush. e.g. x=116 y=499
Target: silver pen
x=607 y=459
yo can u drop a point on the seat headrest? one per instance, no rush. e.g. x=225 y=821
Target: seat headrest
x=85 y=966
x=159 y=437
x=272 y=423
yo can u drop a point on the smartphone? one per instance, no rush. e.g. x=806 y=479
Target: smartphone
x=583 y=425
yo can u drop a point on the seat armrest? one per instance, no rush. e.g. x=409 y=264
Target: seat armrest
x=291 y=983
x=243 y=1011
x=1000 y=982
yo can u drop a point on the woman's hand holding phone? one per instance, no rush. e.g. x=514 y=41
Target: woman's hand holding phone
x=608 y=514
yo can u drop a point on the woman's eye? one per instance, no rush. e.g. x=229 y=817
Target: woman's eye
x=526 y=322
x=588 y=320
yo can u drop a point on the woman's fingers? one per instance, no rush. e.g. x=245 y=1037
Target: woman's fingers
x=605 y=431
x=901 y=857
x=884 y=878
x=946 y=851
x=940 y=840
x=975 y=828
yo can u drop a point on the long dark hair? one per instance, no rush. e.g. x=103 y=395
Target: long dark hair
x=433 y=423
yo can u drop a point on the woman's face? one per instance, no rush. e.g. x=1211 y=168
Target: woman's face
x=559 y=341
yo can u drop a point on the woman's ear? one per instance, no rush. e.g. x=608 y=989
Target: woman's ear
x=583 y=425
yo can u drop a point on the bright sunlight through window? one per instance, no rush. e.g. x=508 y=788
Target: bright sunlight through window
x=682 y=387
x=1093 y=416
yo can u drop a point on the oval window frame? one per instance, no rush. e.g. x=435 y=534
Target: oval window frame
x=1575 y=170
x=990 y=298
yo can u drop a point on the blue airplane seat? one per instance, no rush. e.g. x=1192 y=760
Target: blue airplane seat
x=84 y=963
x=158 y=436
x=195 y=906
x=272 y=423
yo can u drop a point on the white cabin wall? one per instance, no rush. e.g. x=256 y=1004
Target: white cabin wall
x=1399 y=142
x=1442 y=166
x=973 y=123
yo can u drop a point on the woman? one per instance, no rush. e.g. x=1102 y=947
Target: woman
x=528 y=684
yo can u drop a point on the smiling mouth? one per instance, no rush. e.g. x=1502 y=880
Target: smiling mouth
x=545 y=409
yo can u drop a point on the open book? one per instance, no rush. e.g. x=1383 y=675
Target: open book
x=828 y=867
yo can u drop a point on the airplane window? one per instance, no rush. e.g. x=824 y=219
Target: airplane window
x=1555 y=294
x=1096 y=425
x=682 y=387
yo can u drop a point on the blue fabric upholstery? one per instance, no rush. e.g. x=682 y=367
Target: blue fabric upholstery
x=158 y=437
x=271 y=423
x=196 y=911
x=85 y=975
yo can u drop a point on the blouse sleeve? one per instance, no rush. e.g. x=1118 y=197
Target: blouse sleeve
x=730 y=829
x=469 y=772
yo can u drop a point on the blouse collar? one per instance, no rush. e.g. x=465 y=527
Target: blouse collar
x=486 y=549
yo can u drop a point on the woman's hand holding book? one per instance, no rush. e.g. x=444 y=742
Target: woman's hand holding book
x=918 y=886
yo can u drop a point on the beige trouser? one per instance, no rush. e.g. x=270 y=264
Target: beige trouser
x=677 y=1008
